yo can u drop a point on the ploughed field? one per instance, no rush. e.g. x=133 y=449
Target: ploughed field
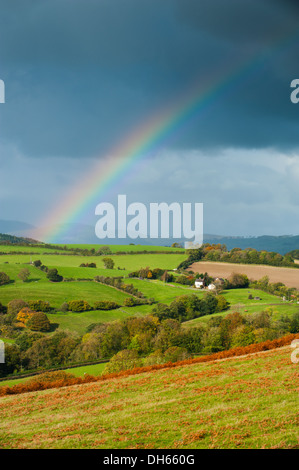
x=288 y=276
x=241 y=402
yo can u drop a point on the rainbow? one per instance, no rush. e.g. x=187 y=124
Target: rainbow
x=145 y=140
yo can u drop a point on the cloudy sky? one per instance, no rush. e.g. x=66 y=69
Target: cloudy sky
x=81 y=75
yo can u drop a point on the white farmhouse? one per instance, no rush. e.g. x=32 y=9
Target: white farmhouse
x=199 y=284
x=211 y=286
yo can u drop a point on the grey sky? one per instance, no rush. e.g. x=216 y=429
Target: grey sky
x=80 y=75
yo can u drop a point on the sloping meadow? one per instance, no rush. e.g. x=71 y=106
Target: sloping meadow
x=239 y=402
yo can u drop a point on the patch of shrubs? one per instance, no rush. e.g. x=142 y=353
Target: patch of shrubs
x=52 y=376
x=39 y=305
x=118 y=284
x=78 y=306
x=105 y=305
x=156 y=273
x=131 y=302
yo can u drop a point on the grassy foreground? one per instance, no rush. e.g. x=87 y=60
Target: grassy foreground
x=245 y=402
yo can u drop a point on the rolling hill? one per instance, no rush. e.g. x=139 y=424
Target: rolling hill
x=242 y=402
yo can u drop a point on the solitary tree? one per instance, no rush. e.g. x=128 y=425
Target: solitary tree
x=53 y=275
x=4 y=279
x=108 y=263
x=38 y=322
x=24 y=274
x=37 y=263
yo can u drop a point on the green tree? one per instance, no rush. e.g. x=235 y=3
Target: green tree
x=238 y=280
x=13 y=308
x=4 y=279
x=24 y=274
x=156 y=357
x=12 y=360
x=123 y=360
x=222 y=303
x=26 y=339
x=243 y=336
x=53 y=275
x=113 y=338
x=169 y=334
x=108 y=263
x=38 y=322
x=176 y=353
x=294 y=323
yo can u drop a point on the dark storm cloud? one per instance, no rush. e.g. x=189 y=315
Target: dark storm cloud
x=246 y=21
x=80 y=74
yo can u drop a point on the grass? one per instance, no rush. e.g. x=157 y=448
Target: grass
x=94 y=369
x=239 y=302
x=129 y=262
x=68 y=265
x=127 y=248
x=247 y=402
x=57 y=293
x=78 y=322
x=96 y=247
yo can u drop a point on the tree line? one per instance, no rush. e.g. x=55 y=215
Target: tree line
x=154 y=337
x=218 y=252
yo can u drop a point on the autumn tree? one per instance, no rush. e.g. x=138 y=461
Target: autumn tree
x=23 y=316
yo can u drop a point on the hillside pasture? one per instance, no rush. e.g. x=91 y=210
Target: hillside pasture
x=248 y=402
x=125 y=248
x=59 y=292
x=128 y=262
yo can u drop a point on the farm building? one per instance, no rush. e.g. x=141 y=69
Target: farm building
x=199 y=283
x=211 y=286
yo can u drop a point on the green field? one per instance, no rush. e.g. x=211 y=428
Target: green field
x=94 y=369
x=239 y=302
x=128 y=262
x=96 y=247
x=214 y=405
x=126 y=248
x=249 y=402
x=68 y=265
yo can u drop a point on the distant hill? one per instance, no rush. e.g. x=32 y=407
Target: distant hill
x=85 y=234
x=280 y=244
x=12 y=239
x=15 y=227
